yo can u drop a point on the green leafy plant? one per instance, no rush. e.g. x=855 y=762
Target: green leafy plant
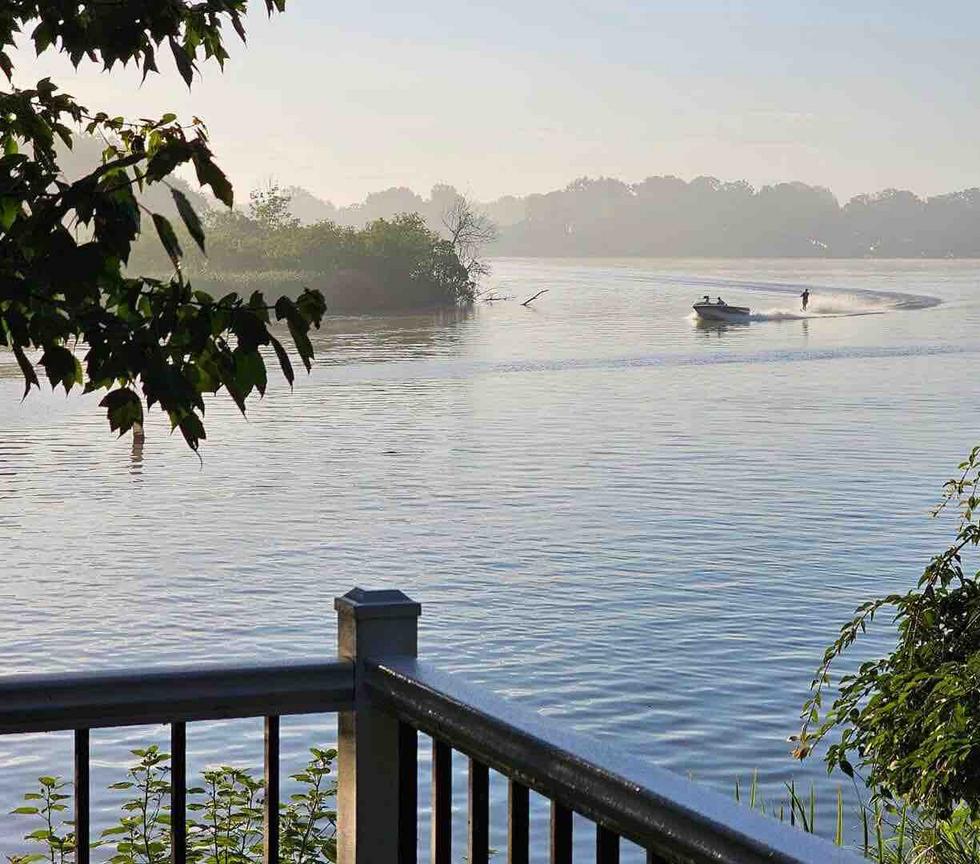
x=55 y=834
x=226 y=816
x=955 y=840
x=229 y=827
x=64 y=245
x=142 y=835
x=909 y=721
x=308 y=821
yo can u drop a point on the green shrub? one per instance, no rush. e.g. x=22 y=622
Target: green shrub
x=224 y=824
x=889 y=833
x=389 y=264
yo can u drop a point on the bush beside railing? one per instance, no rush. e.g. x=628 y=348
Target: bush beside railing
x=226 y=827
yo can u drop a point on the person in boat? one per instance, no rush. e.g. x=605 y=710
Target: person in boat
x=707 y=299
x=721 y=302
x=805 y=296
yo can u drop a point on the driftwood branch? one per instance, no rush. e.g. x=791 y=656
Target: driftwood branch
x=535 y=297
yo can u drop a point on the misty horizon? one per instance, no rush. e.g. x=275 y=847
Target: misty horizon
x=666 y=216
x=301 y=193
x=514 y=98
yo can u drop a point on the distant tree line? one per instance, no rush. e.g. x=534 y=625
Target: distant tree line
x=667 y=216
x=707 y=217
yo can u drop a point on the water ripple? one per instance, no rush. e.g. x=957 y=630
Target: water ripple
x=645 y=530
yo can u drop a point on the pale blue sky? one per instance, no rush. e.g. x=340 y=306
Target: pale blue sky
x=514 y=97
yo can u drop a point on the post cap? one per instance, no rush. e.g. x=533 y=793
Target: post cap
x=389 y=603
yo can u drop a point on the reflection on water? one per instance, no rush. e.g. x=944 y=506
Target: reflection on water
x=136 y=454
x=717 y=328
x=378 y=338
x=644 y=528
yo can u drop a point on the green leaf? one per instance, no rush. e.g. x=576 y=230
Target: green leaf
x=191 y=220
x=167 y=158
x=27 y=370
x=236 y=22
x=62 y=367
x=124 y=409
x=209 y=174
x=298 y=328
x=9 y=211
x=250 y=371
x=312 y=306
x=184 y=61
x=168 y=238
x=284 y=361
x=43 y=37
x=193 y=430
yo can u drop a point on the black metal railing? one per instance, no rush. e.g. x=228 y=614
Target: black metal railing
x=671 y=817
x=86 y=701
x=385 y=697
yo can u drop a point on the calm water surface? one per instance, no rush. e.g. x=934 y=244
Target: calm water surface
x=642 y=527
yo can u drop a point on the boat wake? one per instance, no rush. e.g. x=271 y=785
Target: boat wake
x=825 y=301
x=833 y=305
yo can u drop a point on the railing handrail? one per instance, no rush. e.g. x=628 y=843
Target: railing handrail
x=384 y=695
x=91 y=700
x=654 y=807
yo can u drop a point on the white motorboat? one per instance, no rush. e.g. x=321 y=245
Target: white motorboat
x=720 y=310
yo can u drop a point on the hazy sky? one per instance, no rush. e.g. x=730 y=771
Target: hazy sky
x=517 y=96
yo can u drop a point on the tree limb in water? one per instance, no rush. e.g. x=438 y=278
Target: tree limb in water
x=535 y=297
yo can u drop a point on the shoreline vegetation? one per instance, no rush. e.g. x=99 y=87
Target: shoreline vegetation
x=394 y=263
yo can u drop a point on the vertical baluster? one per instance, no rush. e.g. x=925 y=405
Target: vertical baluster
x=82 y=831
x=178 y=793
x=479 y=822
x=606 y=846
x=442 y=802
x=408 y=794
x=518 y=835
x=271 y=790
x=561 y=834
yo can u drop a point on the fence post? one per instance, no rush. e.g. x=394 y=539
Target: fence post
x=370 y=624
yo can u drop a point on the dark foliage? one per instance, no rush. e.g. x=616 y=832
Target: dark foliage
x=65 y=243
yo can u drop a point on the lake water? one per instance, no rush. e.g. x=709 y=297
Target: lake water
x=643 y=528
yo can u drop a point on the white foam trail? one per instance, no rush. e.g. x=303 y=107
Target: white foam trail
x=833 y=305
